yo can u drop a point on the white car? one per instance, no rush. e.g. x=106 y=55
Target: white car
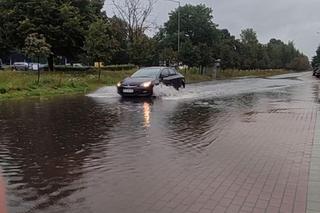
x=20 y=66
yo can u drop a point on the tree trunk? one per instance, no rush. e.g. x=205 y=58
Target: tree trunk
x=50 y=63
x=38 y=70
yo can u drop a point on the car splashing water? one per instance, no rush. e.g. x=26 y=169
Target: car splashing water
x=212 y=88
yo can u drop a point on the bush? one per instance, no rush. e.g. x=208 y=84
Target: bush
x=119 y=67
x=3 y=90
x=63 y=68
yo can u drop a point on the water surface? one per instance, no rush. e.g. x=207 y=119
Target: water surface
x=98 y=152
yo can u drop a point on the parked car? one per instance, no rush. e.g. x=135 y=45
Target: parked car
x=1 y=66
x=20 y=66
x=75 y=65
x=81 y=66
x=78 y=65
x=142 y=82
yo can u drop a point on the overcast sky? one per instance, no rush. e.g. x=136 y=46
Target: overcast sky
x=295 y=20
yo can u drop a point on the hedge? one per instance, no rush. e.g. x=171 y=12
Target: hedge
x=119 y=67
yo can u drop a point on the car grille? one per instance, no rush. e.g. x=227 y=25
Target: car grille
x=130 y=85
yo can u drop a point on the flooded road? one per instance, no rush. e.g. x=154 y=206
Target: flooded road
x=101 y=153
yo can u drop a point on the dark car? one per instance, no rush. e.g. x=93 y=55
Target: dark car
x=316 y=72
x=142 y=82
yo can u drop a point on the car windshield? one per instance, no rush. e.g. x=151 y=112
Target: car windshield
x=147 y=73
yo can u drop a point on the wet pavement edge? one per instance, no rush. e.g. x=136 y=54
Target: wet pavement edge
x=313 y=205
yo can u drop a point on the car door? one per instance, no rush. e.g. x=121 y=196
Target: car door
x=174 y=78
x=177 y=80
x=165 y=77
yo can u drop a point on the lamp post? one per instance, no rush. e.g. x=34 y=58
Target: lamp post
x=179 y=22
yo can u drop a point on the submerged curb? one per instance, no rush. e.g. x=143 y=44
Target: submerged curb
x=313 y=205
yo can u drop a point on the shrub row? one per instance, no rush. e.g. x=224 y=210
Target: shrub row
x=119 y=67
x=70 y=68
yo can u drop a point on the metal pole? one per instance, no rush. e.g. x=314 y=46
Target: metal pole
x=179 y=28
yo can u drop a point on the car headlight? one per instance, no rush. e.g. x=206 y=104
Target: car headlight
x=119 y=84
x=146 y=84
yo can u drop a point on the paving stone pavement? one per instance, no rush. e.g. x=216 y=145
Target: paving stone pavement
x=314 y=178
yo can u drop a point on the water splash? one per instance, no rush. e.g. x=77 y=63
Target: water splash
x=213 y=88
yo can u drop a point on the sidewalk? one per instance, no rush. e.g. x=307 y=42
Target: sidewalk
x=260 y=163
x=314 y=178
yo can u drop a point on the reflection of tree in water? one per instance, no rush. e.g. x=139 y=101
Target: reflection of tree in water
x=192 y=126
x=247 y=101
x=47 y=146
x=196 y=126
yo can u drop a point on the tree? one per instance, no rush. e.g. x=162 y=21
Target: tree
x=36 y=46
x=99 y=42
x=4 y=39
x=249 y=37
x=316 y=58
x=300 y=63
x=249 y=52
x=119 y=30
x=64 y=23
x=168 y=56
x=142 y=51
x=135 y=13
x=199 y=36
x=228 y=50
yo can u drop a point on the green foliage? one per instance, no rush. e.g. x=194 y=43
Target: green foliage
x=64 y=68
x=299 y=63
x=36 y=46
x=229 y=49
x=80 y=30
x=63 y=23
x=168 y=55
x=198 y=35
x=202 y=43
x=316 y=58
x=23 y=84
x=142 y=51
x=120 y=67
x=99 y=42
x=249 y=37
x=119 y=30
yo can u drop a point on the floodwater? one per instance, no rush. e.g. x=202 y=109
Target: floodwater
x=101 y=153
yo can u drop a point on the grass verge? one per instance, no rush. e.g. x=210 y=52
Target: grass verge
x=24 y=84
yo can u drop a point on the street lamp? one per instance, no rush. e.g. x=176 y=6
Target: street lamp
x=179 y=22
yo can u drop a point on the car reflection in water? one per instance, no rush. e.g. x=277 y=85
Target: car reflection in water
x=146 y=114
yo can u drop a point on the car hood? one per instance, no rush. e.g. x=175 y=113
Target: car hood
x=136 y=81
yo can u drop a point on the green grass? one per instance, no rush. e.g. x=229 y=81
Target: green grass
x=24 y=84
